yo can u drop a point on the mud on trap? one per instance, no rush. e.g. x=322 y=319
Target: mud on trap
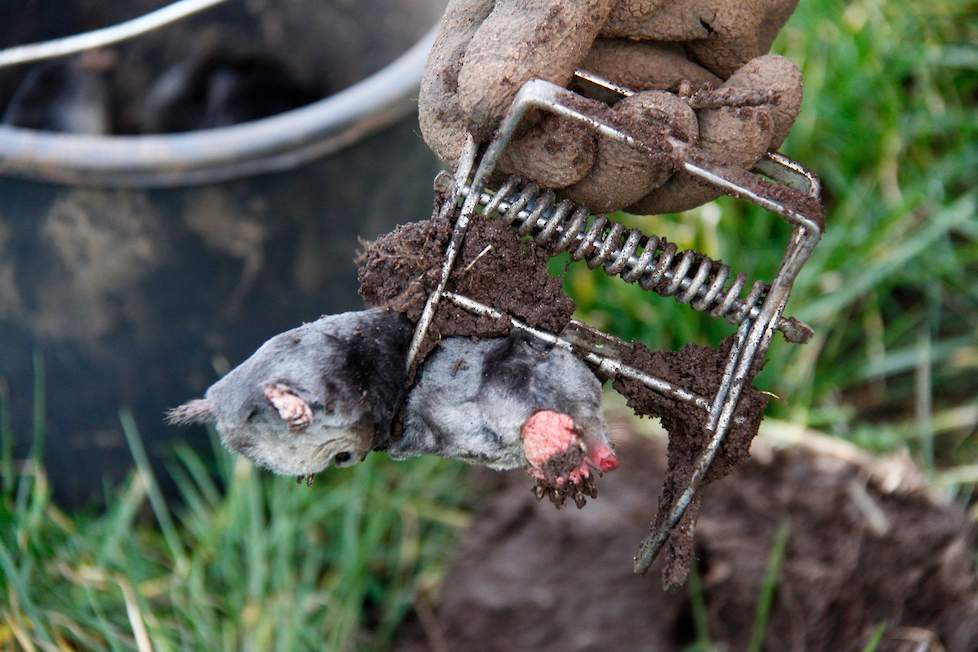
x=786 y=188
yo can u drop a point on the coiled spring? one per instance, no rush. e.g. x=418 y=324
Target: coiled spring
x=649 y=260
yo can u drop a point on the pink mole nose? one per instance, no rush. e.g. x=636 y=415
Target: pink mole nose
x=609 y=463
x=604 y=457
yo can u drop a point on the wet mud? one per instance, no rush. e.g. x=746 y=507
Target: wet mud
x=698 y=369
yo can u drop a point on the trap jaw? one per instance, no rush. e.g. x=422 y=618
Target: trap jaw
x=789 y=190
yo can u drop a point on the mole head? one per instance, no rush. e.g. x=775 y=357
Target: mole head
x=297 y=404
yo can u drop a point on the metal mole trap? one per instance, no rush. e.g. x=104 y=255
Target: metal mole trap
x=789 y=190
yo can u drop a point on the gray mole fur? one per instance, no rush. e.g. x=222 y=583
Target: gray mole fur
x=469 y=403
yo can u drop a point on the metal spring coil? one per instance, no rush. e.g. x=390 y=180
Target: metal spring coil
x=688 y=276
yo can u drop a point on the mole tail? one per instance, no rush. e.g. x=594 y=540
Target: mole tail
x=197 y=411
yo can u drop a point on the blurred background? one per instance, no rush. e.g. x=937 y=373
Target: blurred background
x=131 y=277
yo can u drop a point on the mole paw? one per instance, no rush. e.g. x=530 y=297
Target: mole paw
x=294 y=411
x=563 y=465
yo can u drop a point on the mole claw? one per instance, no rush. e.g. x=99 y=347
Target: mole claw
x=309 y=479
x=556 y=497
x=580 y=500
x=539 y=491
x=590 y=489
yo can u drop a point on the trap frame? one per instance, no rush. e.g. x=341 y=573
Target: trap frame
x=789 y=190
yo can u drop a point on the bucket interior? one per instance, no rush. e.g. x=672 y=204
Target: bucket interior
x=324 y=46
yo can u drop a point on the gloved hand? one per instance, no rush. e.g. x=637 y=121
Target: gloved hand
x=486 y=50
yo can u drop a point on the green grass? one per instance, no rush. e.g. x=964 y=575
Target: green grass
x=768 y=586
x=875 y=639
x=250 y=561
x=698 y=610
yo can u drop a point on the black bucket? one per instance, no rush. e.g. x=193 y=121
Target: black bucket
x=137 y=269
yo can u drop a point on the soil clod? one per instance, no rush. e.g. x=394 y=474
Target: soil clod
x=495 y=267
x=699 y=369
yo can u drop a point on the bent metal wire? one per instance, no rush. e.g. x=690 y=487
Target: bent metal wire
x=687 y=276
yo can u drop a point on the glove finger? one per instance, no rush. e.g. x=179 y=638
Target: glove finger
x=737 y=136
x=621 y=174
x=646 y=65
x=555 y=153
x=739 y=32
x=657 y=20
x=439 y=113
x=520 y=41
x=722 y=35
x=775 y=73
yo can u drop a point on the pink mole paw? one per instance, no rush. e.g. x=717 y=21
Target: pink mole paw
x=546 y=434
x=291 y=408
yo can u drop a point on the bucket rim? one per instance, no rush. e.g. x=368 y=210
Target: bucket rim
x=271 y=144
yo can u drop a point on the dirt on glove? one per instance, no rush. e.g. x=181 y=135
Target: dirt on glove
x=622 y=174
x=859 y=554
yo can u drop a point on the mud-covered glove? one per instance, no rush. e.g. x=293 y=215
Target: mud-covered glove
x=485 y=51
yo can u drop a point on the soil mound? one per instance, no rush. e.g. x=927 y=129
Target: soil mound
x=859 y=555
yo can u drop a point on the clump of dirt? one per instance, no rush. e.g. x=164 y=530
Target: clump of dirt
x=698 y=369
x=495 y=267
x=398 y=269
x=858 y=555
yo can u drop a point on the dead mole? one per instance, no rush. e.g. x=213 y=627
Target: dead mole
x=328 y=391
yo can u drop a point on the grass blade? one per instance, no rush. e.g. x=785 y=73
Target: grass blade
x=768 y=586
x=875 y=639
x=697 y=600
x=156 y=500
x=13 y=577
x=6 y=439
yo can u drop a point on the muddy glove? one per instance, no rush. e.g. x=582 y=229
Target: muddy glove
x=486 y=50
